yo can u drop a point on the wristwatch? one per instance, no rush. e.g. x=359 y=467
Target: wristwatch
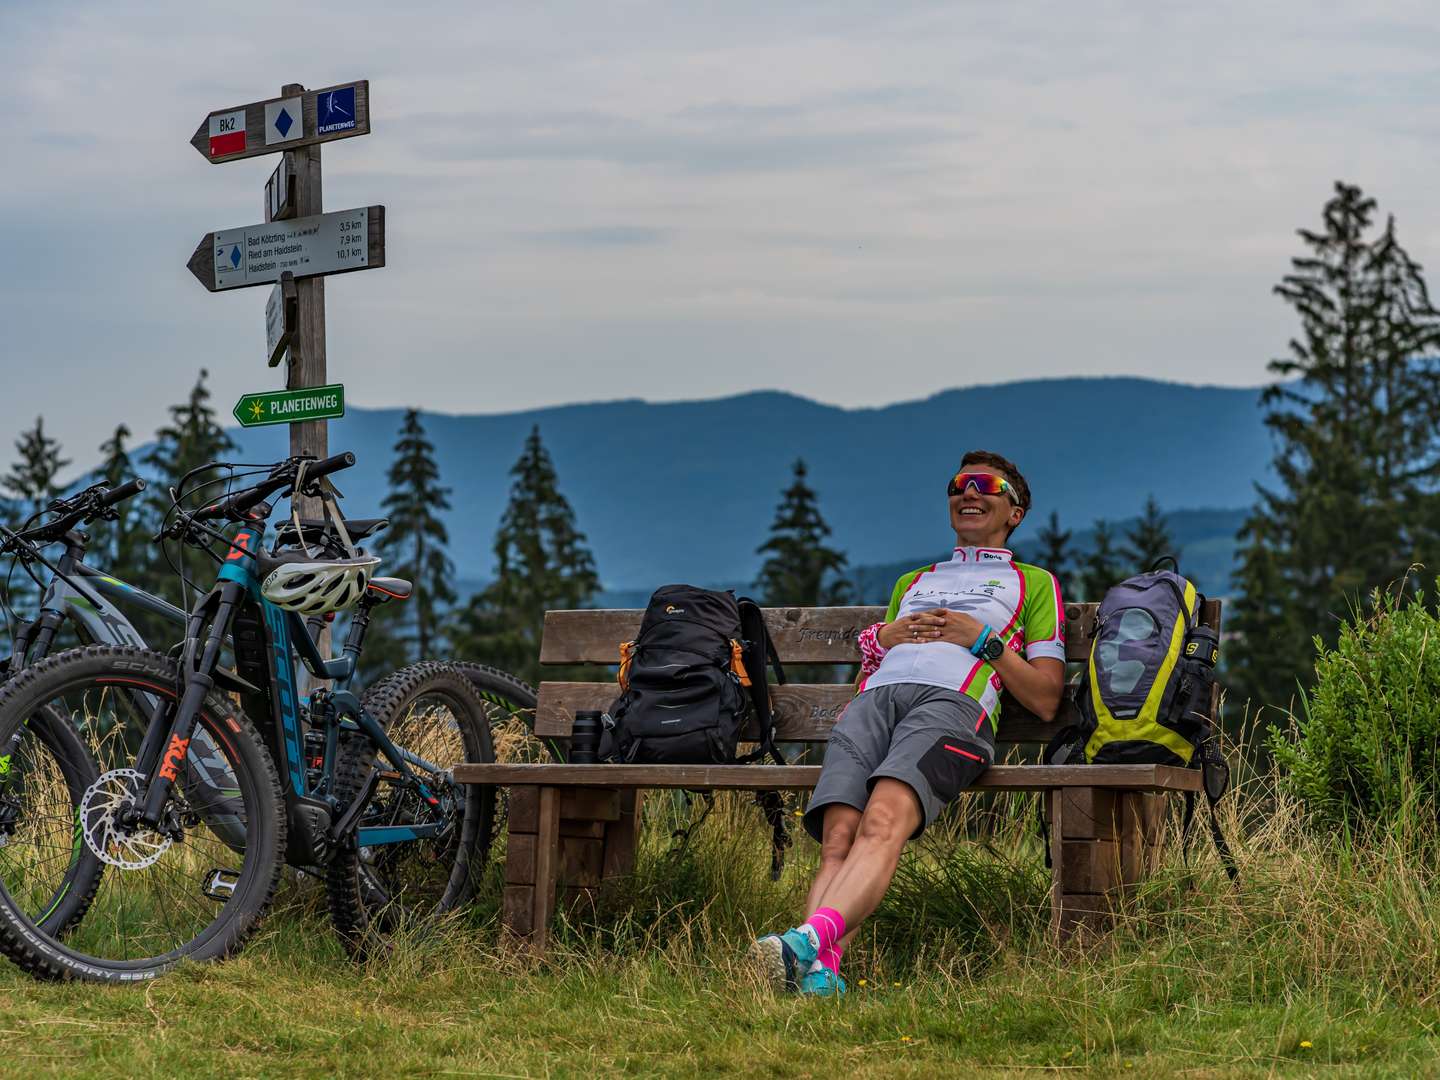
x=991 y=649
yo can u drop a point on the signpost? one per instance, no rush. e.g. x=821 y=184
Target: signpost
x=296 y=248
x=334 y=243
x=291 y=406
x=297 y=118
x=282 y=314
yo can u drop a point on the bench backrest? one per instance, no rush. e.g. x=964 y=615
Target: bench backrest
x=804 y=712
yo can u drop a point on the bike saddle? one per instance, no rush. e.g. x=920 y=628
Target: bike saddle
x=394 y=587
x=316 y=528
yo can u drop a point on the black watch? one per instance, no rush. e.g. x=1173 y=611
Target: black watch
x=991 y=650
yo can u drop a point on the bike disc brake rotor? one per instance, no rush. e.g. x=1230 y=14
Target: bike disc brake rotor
x=114 y=845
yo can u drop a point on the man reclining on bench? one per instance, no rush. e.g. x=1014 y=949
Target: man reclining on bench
x=922 y=726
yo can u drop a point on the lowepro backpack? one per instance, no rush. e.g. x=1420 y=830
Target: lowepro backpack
x=1145 y=697
x=691 y=680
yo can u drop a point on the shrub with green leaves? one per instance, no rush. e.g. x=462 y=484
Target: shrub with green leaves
x=1362 y=753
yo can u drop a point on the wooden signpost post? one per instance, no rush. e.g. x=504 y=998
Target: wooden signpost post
x=298 y=245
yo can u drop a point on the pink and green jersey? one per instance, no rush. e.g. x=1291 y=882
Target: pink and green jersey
x=1019 y=602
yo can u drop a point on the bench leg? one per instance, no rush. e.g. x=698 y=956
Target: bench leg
x=1085 y=859
x=1101 y=841
x=531 y=860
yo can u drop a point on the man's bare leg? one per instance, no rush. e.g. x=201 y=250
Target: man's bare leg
x=855 y=890
x=840 y=824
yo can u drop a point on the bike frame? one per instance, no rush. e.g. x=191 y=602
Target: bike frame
x=267 y=640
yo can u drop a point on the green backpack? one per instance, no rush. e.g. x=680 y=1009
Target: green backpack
x=1145 y=698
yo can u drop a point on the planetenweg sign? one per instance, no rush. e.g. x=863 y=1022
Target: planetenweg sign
x=291 y=406
x=334 y=243
x=305 y=118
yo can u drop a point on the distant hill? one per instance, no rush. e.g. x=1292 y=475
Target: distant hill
x=686 y=490
x=1205 y=539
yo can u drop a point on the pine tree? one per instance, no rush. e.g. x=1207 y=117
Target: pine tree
x=414 y=545
x=1148 y=539
x=541 y=561
x=32 y=479
x=802 y=570
x=1054 y=551
x=1100 y=567
x=191 y=439
x=118 y=545
x=1357 y=448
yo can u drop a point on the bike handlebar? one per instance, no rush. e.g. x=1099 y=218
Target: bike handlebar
x=235 y=506
x=121 y=493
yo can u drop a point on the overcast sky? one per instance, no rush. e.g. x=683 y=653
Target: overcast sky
x=862 y=203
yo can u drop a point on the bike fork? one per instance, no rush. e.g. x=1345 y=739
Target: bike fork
x=162 y=767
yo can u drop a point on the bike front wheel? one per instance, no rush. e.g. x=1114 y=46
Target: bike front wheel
x=196 y=887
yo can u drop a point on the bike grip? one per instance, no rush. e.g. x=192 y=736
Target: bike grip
x=123 y=492
x=330 y=465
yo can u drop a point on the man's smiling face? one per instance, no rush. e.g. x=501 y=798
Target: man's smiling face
x=983 y=520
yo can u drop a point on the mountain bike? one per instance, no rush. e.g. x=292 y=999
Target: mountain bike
x=189 y=866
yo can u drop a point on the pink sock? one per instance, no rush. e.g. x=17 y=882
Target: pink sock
x=830 y=958
x=828 y=925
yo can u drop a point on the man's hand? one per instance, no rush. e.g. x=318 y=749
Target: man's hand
x=918 y=629
x=958 y=628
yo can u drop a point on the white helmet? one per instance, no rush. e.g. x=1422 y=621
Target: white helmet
x=300 y=582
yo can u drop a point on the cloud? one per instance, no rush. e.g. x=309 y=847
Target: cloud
x=854 y=201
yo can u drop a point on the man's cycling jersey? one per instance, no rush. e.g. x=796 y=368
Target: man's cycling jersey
x=1019 y=602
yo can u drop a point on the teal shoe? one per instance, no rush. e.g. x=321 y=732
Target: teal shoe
x=822 y=982
x=783 y=958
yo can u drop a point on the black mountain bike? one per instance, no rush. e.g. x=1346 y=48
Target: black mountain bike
x=188 y=863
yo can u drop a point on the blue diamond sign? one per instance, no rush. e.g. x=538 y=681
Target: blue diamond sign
x=283 y=121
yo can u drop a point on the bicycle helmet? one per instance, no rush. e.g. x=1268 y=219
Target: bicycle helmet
x=309 y=585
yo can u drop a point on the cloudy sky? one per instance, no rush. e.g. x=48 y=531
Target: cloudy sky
x=859 y=202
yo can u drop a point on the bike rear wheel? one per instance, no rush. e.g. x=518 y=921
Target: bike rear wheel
x=194 y=889
x=436 y=712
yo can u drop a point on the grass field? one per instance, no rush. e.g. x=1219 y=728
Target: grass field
x=1324 y=963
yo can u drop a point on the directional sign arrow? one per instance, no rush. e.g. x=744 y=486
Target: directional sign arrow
x=284 y=123
x=335 y=243
x=291 y=406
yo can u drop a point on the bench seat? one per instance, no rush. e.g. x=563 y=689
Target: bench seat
x=804 y=777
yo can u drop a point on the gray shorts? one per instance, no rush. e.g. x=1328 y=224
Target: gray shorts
x=928 y=737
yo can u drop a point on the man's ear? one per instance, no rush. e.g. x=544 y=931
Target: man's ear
x=1017 y=515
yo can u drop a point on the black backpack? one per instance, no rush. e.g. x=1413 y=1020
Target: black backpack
x=686 y=685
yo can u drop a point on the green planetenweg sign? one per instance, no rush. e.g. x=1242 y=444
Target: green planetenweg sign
x=291 y=406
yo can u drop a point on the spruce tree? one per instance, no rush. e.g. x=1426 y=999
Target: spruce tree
x=541 y=562
x=192 y=438
x=1148 y=539
x=1100 y=568
x=801 y=569
x=33 y=478
x=414 y=548
x=1054 y=553
x=118 y=545
x=1357 y=448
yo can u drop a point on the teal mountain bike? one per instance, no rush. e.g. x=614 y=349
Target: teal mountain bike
x=209 y=780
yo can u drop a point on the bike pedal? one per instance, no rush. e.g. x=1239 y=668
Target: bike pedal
x=220 y=884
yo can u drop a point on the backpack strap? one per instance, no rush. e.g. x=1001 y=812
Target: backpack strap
x=758 y=651
x=1215 y=779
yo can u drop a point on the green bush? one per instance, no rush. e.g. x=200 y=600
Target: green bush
x=1362 y=753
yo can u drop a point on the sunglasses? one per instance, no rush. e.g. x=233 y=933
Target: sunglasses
x=984 y=483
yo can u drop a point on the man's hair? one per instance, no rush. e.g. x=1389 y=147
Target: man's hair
x=1006 y=466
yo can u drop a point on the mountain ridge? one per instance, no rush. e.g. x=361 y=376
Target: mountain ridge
x=687 y=490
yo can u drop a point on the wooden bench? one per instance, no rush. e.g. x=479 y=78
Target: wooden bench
x=573 y=827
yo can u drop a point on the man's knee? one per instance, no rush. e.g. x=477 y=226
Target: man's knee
x=891 y=816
